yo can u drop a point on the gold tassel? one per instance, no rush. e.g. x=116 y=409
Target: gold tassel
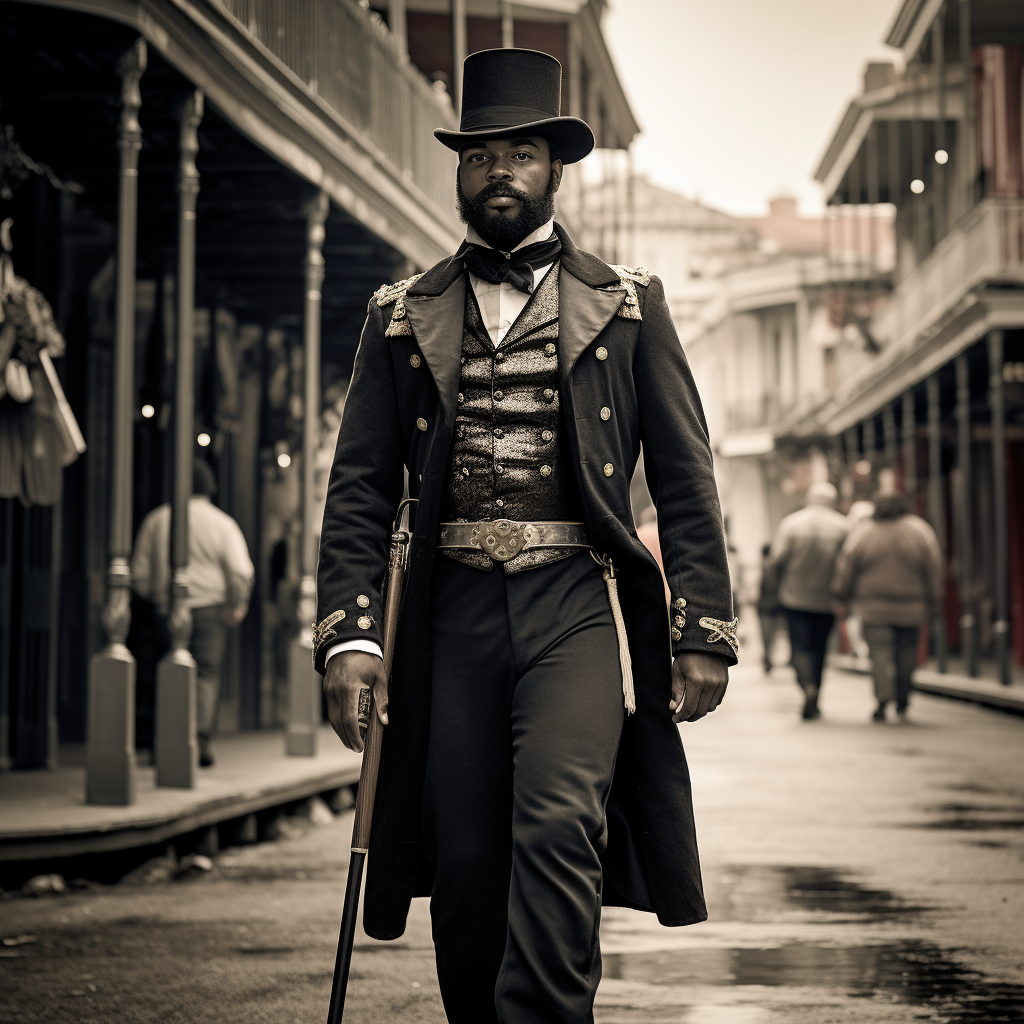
x=625 y=662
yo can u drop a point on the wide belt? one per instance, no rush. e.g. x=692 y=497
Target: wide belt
x=503 y=539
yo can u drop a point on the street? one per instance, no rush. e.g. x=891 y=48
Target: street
x=854 y=873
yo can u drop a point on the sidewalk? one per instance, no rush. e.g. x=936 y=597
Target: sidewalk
x=43 y=814
x=984 y=689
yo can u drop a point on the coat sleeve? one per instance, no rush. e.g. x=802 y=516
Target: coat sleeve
x=677 y=461
x=844 y=574
x=363 y=493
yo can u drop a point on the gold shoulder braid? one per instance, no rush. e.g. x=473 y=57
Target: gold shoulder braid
x=629 y=278
x=388 y=293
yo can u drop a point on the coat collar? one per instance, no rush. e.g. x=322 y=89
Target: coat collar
x=436 y=304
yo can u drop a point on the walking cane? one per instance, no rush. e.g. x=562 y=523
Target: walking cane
x=368 y=772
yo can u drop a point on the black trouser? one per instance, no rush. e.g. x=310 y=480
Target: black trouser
x=525 y=720
x=808 y=637
x=893 y=660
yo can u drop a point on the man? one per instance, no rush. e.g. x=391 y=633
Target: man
x=531 y=770
x=890 y=567
x=801 y=560
x=220 y=577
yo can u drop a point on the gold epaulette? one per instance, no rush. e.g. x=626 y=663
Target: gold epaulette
x=388 y=293
x=629 y=278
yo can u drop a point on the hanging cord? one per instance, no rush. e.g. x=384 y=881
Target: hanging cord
x=625 y=662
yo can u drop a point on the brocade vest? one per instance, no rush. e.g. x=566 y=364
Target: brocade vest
x=510 y=457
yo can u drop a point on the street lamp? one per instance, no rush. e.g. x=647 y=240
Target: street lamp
x=917 y=186
x=941 y=156
x=148 y=412
x=204 y=440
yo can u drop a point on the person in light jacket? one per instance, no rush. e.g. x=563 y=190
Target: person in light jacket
x=890 y=568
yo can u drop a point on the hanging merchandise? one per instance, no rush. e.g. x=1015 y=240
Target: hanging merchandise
x=39 y=435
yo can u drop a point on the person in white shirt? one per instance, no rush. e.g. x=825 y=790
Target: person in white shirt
x=220 y=578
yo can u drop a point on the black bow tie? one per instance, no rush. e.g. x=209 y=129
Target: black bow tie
x=514 y=268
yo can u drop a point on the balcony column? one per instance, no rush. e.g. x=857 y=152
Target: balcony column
x=303 y=682
x=110 y=740
x=460 y=47
x=968 y=160
x=889 y=439
x=398 y=25
x=997 y=403
x=508 y=25
x=968 y=619
x=940 y=199
x=175 y=742
x=936 y=504
x=909 y=439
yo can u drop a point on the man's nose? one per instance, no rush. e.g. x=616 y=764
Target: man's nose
x=500 y=172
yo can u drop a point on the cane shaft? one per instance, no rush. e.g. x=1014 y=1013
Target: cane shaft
x=346 y=938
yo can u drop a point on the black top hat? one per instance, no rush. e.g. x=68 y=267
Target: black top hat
x=516 y=92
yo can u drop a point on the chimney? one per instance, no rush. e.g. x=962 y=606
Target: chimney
x=878 y=76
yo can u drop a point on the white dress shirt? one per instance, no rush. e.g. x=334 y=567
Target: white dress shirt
x=500 y=306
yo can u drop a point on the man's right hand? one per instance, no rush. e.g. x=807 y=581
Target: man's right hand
x=348 y=674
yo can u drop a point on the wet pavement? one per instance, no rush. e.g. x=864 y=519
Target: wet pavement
x=854 y=873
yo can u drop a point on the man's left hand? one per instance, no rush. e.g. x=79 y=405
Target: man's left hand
x=698 y=685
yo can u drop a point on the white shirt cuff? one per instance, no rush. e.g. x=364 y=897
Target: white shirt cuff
x=366 y=646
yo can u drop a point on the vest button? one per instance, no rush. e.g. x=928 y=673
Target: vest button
x=549 y=395
x=549 y=349
x=608 y=469
x=499 y=503
x=601 y=353
x=499 y=395
x=421 y=423
x=462 y=397
x=414 y=360
x=546 y=435
x=545 y=471
x=606 y=413
x=465 y=471
x=499 y=469
x=498 y=432
x=499 y=357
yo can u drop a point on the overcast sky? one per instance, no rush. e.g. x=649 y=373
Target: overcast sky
x=737 y=99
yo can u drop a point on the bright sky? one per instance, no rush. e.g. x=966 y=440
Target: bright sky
x=737 y=99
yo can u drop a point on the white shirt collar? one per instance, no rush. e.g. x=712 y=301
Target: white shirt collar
x=542 y=234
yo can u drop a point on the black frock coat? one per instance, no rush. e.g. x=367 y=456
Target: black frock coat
x=400 y=415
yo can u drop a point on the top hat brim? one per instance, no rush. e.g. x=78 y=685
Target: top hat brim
x=572 y=137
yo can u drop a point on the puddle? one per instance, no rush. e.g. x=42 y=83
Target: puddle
x=911 y=972
x=962 y=817
x=756 y=893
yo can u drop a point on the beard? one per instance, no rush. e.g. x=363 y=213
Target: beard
x=497 y=230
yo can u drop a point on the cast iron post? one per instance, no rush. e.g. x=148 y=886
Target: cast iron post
x=175 y=752
x=110 y=740
x=909 y=438
x=303 y=682
x=968 y=619
x=997 y=403
x=936 y=506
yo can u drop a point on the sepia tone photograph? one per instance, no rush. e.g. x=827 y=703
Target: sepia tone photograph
x=511 y=511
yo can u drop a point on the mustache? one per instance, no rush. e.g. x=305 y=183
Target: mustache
x=500 y=189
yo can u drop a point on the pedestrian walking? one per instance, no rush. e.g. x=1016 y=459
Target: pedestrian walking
x=802 y=558
x=890 y=569
x=531 y=762
x=220 y=577
x=769 y=611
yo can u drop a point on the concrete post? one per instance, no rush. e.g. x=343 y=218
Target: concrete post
x=997 y=403
x=175 y=744
x=303 y=682
x=110 y=741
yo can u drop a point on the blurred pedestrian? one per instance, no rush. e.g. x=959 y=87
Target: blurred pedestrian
x=890 y=569
x=220 y=577
x=769 y=612
x=803 y=555
x=857 y=513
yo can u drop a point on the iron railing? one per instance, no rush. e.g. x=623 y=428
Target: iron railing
x=346 y=56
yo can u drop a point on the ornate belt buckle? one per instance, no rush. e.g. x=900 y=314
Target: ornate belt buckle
x=501 y=539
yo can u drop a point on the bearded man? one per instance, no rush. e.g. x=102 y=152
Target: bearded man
x=532 y=770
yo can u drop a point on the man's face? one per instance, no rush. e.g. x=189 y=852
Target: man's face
x=506 y=188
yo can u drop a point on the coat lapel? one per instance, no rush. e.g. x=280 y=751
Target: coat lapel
x=437 y=322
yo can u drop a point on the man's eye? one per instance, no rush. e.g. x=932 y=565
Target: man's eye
x=525 y=156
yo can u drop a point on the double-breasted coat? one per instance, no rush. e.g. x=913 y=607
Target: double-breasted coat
x=623 y=382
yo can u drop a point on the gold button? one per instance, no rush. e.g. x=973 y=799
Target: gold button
x=499 y=503
x=676 y=635
x=363 y=601
x=499 y=469
x=548 y=395
x=680 y=621
x=601 y=353
x=465 y=471
x=499 y=433
x=549 y=349
x=546 y=435
x=462 y=397
x=414 y=360
x=680 y=603
x=608 y=469
x=499 y=357
x=421 y=423
x=545 y=471
x=364 y=622
x=499 y=395
x=606 y=413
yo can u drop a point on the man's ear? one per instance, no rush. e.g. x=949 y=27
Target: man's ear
x=556 y=174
